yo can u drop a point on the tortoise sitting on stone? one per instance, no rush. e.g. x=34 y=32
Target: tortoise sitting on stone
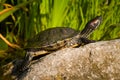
x=56 y=38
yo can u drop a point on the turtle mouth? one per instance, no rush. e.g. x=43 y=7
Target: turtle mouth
x=91 y=26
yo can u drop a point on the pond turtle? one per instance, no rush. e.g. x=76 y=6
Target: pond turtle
x=60 y=37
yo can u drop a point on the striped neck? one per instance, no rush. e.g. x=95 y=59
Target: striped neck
x=90 y=26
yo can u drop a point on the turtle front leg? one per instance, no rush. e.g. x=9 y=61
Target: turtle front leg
x=86 y=41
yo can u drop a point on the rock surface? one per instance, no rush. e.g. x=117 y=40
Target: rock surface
x=95 y=61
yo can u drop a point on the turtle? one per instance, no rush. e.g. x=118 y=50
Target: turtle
x=57 y=38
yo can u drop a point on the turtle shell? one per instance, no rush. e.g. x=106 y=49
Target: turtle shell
x=49 y=38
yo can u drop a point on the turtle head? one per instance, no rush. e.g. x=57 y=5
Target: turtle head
x=91 y=26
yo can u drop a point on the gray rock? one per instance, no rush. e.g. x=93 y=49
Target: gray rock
x=94 y=61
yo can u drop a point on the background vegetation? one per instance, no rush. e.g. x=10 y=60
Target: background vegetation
x=22 y=19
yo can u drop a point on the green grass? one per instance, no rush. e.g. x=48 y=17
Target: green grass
x=42 y=14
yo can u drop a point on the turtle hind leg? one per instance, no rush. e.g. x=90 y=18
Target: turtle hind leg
x=26 y=61
x=87 y=41
x=31 y=56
